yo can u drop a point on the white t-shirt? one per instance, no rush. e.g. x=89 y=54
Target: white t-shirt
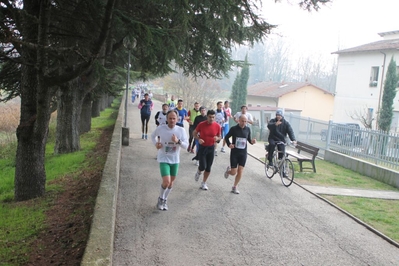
x=248 y=115
x=170 y=151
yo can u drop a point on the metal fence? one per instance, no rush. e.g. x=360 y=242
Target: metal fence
x=370 y=145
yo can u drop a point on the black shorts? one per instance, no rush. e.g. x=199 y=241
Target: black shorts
x=238 y=158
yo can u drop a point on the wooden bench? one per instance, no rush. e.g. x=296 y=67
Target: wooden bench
x=313 y=151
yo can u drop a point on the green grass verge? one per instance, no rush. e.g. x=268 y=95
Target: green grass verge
x=21 y=222
x=380 y=214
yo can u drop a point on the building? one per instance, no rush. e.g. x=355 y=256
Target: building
x=302 y=98
x=360 y=80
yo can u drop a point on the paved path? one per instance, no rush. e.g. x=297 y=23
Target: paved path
x=267 y=224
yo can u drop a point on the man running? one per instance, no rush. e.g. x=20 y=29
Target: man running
x=207 y=133
x=240 y=134
x=160 y=116
x=168 y=139
x=183 y=114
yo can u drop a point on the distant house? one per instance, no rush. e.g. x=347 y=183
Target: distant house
x=301 y=98
x=360 y=80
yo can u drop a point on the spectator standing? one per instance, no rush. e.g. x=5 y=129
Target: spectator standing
x=240 y=134
x=207 y=133
x=168 y=139
x=145 y=106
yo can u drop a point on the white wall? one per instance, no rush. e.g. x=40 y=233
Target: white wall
x=353 y=93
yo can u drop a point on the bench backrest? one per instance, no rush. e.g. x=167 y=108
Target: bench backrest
x=307 y=148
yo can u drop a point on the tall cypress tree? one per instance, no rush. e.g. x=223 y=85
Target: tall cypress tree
x=386 y=112
x=239 y=89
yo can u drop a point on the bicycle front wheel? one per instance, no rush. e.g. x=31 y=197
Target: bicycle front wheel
x=287 y=173
x=269 y=170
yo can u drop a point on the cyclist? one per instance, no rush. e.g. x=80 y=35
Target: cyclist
x=279 y=128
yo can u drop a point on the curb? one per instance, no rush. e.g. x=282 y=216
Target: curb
x=375 y=231
x=100 y=246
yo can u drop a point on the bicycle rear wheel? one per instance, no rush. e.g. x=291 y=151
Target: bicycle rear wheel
x=269 y=170
x=287 y=173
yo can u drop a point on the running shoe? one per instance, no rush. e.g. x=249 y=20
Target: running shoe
x=164 y=205
x=197 y=163
x=145 y=136
x=270 y=163
x=222 y=150
x=142 y=136
x=226 y=174
x=192 y=151
x=160 y=204
x=203 y=186
x=197 y=175
x=235 y=190
x=216 y=153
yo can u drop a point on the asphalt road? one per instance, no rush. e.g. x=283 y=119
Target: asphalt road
x=267 y=224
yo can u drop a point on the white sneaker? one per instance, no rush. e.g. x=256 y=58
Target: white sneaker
x=235 y=190
x=222 y=150
x=196 y=162
x=216 y=153
x=164 y=205
x=160 y=204
x=204 y=186
x=197 y=176
x=226 y=174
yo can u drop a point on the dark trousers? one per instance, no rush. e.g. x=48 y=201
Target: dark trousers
x=272 y=145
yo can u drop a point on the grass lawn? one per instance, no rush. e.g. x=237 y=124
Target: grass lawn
x=381 y=214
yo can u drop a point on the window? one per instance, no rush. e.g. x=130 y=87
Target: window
x=374 y=76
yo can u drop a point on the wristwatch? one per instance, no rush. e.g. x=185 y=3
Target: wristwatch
x=179 y=142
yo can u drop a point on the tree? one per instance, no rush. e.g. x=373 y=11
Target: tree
x=239 y=89
x=385 y=114
x=49 y=44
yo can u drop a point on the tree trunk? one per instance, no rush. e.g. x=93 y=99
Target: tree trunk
x=85 y=116
x=70 y=99
x=95 y=108
x=30 y=174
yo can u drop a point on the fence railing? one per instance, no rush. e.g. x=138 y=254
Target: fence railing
x=373 y=146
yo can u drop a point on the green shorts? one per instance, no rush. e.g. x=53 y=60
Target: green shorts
x=168 y=169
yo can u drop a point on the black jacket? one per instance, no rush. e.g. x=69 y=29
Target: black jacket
x=279 y=133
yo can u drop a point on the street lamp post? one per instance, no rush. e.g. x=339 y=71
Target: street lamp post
x=129 y=45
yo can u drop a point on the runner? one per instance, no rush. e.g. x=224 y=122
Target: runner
x=202 y=117
x=220 y=118
x=145 y=106
x=160 y=116
x=226 y=126
x=183 y=114
x=192 y=114
x=207 y=133
x=244 y=111
x=240 y=134
x=168 y=139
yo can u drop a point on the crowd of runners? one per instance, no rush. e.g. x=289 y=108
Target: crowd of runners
x=209 y=133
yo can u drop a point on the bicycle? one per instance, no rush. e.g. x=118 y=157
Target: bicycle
x=284 y=167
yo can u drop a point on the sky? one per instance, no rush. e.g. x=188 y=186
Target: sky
x=336 y=26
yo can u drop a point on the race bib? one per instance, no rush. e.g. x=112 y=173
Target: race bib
x=170 y=147
x=241 y=143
